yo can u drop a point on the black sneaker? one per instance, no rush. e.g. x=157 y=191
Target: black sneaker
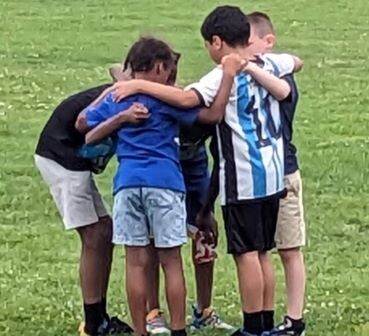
x=117 y=327
x=288 y=328
x=240 y=332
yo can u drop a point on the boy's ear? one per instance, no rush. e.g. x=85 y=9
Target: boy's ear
x=216 y=42
x=160 y=68
x=270 y=40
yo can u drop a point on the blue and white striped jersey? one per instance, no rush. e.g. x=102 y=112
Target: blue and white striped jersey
x=250 y=141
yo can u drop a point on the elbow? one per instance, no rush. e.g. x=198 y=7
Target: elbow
x=216 y=120
x=188 y=102
x=80 y=125
x=212 y=119
x=283 y=94
x=299 y=63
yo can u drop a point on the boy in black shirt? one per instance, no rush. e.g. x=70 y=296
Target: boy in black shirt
x=71 y=183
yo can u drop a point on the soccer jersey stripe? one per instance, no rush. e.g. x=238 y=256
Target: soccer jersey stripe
x=228 y=162
x=248 y=127
x=272 y=131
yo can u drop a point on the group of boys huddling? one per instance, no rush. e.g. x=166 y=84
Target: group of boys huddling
x=162 y=189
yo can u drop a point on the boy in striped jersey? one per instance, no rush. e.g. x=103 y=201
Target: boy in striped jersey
x=250 y=148
x=290 y=233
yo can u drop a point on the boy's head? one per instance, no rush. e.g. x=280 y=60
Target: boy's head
x=262 y=37
x=151 y=59
x=225 y=29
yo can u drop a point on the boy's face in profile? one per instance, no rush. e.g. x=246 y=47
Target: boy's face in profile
x=215 y=49
x=260 y=45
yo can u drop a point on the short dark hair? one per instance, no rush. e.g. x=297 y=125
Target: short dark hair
x=229 y=23
x=146 y=52
x=262 y=23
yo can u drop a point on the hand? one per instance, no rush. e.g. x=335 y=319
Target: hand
x=135 y=114
x=123 y=89
x=233 y=63
x=207 y=224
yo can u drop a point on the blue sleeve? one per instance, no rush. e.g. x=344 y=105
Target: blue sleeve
x=184 y=116
x=107 y=109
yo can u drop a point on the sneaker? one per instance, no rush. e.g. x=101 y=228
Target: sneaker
x=156 y=324
x=118 y=327
x=287 y=328
x=103 y=330
x=208 y=318
x=240 y=332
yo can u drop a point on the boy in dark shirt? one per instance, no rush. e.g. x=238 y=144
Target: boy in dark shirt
x=70 y=180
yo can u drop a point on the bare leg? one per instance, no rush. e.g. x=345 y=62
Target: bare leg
x=137 y=259
x=154 y=280
x=294 y=269
x=269 y=281
x=108 y=256
x=204 y=282
x=251 y=282
x=171 y=261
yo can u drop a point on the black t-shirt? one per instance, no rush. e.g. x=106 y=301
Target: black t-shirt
x=288 y=108
x=192 y=140
x=60 y=140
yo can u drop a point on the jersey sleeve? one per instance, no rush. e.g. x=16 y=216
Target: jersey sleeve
x=107 y=109
x=282 y=64
x=208 y=86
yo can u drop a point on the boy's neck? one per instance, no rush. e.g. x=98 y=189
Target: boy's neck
x=143 y=75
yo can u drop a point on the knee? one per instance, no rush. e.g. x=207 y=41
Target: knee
x=95 y=236
x=106 y=228
x=290 y=255
x=137 y=257
x=170 y=257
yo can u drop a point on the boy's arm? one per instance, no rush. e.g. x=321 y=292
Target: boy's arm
x=201 y=93
x=81 y=124
x=277 y=87
x=134 y=114
x=205 y=219
x=231 y=64
x=213 y=190
x=168 y=94
x=299 y=63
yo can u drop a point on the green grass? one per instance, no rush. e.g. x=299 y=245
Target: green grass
x=49 y=49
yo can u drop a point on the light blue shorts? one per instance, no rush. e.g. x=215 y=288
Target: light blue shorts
x=142 y=213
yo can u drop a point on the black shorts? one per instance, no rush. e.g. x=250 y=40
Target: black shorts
x=250 y=225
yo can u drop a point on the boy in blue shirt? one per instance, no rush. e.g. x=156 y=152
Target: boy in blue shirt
x=149 y=187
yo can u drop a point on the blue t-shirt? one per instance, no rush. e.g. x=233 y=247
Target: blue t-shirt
x=148 y=153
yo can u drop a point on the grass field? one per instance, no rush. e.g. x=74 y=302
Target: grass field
x=49 y=49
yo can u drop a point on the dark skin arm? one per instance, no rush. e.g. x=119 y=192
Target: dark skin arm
x=205 y=218
x=133 y=115
x=81 y=124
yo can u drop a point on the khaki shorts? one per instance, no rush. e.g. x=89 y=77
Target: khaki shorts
x=290 y=231
x=74 y=193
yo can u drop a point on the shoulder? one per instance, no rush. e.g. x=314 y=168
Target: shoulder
x=215 y=74
x=279 y=64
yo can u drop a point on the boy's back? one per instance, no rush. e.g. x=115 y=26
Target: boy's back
x=148 y=153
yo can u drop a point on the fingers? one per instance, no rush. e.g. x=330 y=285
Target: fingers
x=140 y=107
x=142 y=115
